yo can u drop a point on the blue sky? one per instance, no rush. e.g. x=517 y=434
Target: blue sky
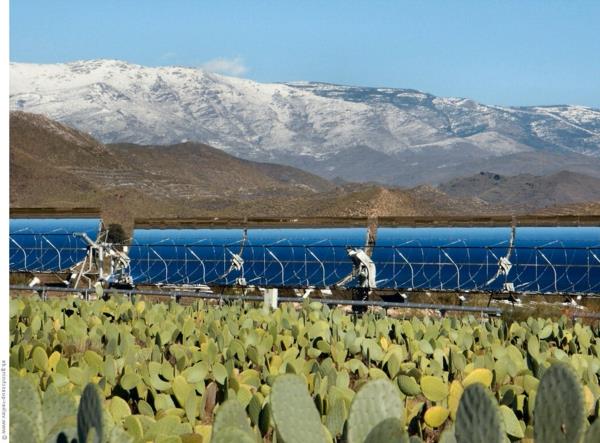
x=498 y=52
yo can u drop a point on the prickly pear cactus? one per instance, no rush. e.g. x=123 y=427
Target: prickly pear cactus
x=55 y=408
x=62 y=438
x=230 y=415
x=229 y=435
x=386 y=431
x=25 y=411
x=478 y=418
x=448 y=435
x=89 y=414
x=294 y=412
x=559 y=414
x=376 y=412
x=593 y=433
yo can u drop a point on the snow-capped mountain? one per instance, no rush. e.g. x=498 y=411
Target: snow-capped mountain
x=399 y=136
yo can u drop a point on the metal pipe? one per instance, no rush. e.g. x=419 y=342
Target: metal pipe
x=257 y=298
x=85 y=237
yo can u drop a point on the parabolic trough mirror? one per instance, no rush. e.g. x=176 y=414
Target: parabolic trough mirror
x=526 y=259
x=263 y=257
x=536 y=259
x=49 y=244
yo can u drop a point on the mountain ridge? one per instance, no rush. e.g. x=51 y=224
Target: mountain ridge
x=314 y=126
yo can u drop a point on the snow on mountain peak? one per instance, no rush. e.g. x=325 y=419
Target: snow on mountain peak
x=117 y=101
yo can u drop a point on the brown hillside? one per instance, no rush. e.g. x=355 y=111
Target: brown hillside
x=52 y=165
x=574 y=209
x=56 y=166
x=525 y=192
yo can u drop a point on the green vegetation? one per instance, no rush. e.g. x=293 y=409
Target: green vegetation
x=206 y=373
x=116 y=234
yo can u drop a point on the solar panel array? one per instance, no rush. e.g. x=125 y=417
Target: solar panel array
x=548 y=259
x=271 y=257
x=49 y=244
x=543 y=259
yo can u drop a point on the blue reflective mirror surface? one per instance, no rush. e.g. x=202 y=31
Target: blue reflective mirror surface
x=557 y=259
x=49 y=244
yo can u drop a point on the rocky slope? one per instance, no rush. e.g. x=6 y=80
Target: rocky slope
x=52 y=165
x=525 y=191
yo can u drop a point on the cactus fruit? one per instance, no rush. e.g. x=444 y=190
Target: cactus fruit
x=478 y=418
x=377 y=401
x=559 y=412
x=294 y=412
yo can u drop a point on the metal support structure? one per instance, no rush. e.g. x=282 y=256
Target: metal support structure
x=85 y=292
x=270 y=298
x=237 y=262
x=280 y=264
x=490 y=263
x=320 y=264
x=273 y=300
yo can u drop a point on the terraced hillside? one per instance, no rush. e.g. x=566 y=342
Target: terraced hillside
x=53 y=165
x=526 y=191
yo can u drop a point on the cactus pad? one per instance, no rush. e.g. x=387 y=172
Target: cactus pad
x=593 y=433
x=375 y=402
x=89 y=414
x=559 y=413
x=294 y=412
x=479 y=375
x=230 y=415
x=388 y=430
x=434 y=388
x=436 y=416
x=478 y=419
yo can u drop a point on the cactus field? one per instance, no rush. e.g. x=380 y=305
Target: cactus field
x=138 y=371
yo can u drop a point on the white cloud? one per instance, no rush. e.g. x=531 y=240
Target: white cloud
x=168 y=55
x=228 y=66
